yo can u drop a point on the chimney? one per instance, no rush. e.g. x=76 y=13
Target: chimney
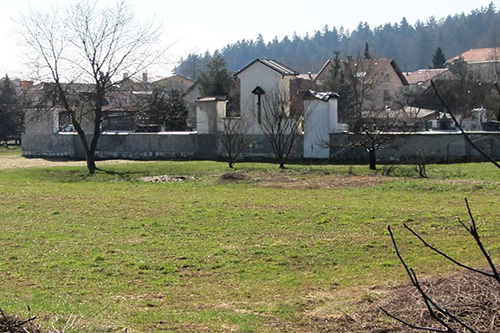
x=144 y=77
x=349 y=58
x=125 y=75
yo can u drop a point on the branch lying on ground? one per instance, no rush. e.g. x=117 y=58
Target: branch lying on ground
x=472 y=229
x=12 y=324
x=434 y=309
x=443 y=316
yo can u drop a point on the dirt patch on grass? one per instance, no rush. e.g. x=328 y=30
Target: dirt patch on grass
x=166 y=179
x=181 y=327
x=316 y=181
x=471 y=297
x=233 y=176
x=14 y=162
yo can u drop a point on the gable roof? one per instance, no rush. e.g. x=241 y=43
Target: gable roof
x=308 y=76
x=423 y=75
x=480 y=55
x=322 y=96
x=366 y=63
x=274 y=65
x=174 y=77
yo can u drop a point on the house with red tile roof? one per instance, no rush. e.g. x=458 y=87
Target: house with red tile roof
x=483 y=64
x=487 y=54
x=420 y=79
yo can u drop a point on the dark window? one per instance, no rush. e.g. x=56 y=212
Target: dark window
x=387 y=95
x=65 y=122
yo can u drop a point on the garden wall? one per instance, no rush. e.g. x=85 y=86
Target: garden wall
x=437 y=146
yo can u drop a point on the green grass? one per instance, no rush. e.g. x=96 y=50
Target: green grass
x=10 y=151
x=119 y=253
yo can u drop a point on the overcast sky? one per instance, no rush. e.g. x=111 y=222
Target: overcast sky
x=200 y=25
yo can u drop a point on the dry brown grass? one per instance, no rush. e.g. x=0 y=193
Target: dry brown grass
x=473 y=298
x=14 y=324
x=16 y=161
x=295 y=180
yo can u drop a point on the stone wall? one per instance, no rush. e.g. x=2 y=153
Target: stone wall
x=439 y=147
x=169 y=145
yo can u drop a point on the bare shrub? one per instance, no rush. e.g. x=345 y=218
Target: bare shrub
x=232 y=176
x=13 y=324
x=389 y=170
x=437 y=311
x=418 y=162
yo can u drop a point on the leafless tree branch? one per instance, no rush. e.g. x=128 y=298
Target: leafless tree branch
x=466 y=136
x=233 y=136
x=281 y=123
x=90 y=44
x=435 y=310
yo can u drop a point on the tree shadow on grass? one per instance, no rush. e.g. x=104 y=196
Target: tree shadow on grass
x=81 y=174
x=125 y=175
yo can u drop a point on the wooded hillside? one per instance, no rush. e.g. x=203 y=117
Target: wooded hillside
x=411 y=45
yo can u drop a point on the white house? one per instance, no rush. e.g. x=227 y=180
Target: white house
x=261 y=78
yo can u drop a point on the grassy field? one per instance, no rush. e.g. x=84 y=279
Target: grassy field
x=276 y=251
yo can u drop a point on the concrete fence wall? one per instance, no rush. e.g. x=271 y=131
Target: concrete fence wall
x=172 y=145
x=439 y=147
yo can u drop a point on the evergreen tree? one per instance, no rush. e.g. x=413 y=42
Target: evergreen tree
x=367 y=54
x=411 y=46
x=11 y=113
x=215 y=80
x=167 y=109
x=337 y=82
x=438 y=59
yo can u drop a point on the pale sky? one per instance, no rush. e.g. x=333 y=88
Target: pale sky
x=200 y=25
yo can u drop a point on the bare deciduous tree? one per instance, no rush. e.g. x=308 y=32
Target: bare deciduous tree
x=281 y=123
x=87 y=43
x=371 y=133
x=356 y=81
x=233 y=135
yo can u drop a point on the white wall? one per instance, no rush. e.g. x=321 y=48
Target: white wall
x=209 y=111
x=268 y=79
x=320 y=121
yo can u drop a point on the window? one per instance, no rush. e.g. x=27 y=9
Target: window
x=64 y=122
x=387 y=95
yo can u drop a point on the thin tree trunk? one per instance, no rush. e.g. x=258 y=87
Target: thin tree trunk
x=91 y=163
x=373 y=160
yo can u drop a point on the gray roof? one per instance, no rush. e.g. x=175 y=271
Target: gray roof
x=273 y=64
x=323 y=96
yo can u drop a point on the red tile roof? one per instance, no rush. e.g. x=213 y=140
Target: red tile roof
x=480 y=55
x=423 y=75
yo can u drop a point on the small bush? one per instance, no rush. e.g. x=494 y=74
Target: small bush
x=232 y=176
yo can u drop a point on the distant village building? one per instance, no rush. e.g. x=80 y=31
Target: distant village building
x=174 y=82
x=258 y=80
x=483 y=64
x=383 y=74
x=52 y=135
x=420 y=79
